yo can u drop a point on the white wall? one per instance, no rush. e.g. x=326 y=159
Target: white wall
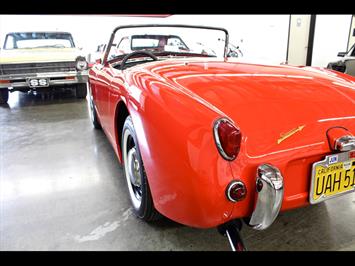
x=331 y=36
x=263 y=38
x=298 y=40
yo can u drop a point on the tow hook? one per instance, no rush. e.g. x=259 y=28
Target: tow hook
x=231 y=231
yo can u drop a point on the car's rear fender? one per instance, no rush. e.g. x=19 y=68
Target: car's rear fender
x=187 y=176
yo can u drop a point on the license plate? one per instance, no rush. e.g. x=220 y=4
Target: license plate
x=38 y=82
x=333 y=176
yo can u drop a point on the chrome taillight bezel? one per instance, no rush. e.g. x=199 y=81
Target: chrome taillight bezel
x=241 y=186
x=217 y=140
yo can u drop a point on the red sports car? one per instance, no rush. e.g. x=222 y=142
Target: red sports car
x=208 y=142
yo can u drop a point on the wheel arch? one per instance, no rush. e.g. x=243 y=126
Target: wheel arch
x=121 y=113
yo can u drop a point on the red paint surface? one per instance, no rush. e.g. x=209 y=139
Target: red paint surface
x=174 y=103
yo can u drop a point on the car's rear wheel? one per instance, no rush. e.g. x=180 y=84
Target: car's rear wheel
x=81 y=90
x=4 y=96
x=136 y=177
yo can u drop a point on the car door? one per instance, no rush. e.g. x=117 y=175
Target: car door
x=95 y=84
x=103 y=80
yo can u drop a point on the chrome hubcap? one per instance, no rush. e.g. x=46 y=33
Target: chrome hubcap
x=132 y=169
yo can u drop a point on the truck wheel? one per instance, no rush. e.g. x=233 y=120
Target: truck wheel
x=4 y=96
x=81 y=91
x=136 y=177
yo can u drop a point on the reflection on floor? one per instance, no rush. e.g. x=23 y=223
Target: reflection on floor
x=61 y=188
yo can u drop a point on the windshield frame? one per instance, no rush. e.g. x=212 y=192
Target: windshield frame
x=351 y=52
x=112 y=37
x=135 y=36
x=70 y=39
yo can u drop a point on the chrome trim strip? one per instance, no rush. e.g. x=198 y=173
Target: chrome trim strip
x=269 y=198
x=217 y=141
x=38 y=62
x=44 y=74
x=345 y=143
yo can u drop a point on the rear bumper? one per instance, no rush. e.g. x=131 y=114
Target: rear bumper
x=54 y=78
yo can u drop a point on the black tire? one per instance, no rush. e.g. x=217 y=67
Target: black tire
x=81 y=90
x=146 y=209
x=4 y=96
x=93 y=114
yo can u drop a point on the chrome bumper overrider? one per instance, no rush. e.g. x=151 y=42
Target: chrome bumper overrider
x=270 y=190
x=345 y=143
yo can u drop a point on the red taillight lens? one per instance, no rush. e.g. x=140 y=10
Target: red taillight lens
x=236 y=191
x=228 y=138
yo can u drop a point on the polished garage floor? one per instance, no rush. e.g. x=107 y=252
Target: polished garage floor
x=61 y=188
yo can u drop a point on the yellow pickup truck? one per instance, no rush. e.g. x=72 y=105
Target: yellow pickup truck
x=41 y=61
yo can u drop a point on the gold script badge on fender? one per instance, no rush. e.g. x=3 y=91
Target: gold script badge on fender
x=289 y=134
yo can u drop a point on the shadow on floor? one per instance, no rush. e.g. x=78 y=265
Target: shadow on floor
x=21 y=99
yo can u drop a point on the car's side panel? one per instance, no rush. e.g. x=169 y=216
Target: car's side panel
x=180 y=191
x=103 y=88
x=93 y=82
x=117 y=101
x=98 y=84
x=187 y=176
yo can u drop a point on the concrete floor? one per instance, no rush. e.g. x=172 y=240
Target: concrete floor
x=61 y=188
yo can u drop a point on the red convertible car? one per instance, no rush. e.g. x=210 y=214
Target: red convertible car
x=208 y=142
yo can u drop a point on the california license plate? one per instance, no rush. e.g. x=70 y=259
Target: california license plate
x=333 y=176
x=38 y=82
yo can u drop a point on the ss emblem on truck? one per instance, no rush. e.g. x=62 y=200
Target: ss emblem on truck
x=40 y=82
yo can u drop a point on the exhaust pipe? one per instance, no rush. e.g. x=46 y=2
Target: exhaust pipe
x=231 y=231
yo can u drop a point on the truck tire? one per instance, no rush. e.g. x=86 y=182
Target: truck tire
x=4 y=96
x=81 y=91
